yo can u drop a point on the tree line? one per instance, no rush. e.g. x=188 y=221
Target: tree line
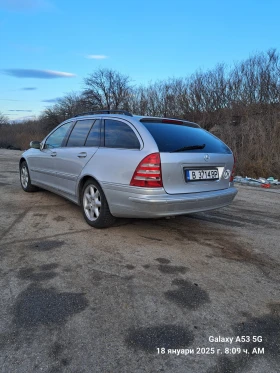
x=238 y=103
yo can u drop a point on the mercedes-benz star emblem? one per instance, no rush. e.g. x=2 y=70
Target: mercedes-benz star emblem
x=206 y=157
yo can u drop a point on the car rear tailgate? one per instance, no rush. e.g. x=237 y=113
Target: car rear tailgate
x=175 y=165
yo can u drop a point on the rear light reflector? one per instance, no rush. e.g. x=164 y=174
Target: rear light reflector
x=148 y=172
x=233 y=170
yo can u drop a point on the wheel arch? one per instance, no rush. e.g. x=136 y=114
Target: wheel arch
x=22 y=159
x=81 y=184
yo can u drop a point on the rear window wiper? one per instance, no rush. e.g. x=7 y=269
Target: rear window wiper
x=192 y=147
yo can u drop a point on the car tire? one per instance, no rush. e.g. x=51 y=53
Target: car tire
x=95 y=206
x=25 y=180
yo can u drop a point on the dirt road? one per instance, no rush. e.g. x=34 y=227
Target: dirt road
x=197 y=293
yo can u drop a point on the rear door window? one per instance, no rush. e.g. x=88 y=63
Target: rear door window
x=93 y=138
x=120 y=135
x=79 y=133
x=170 y=137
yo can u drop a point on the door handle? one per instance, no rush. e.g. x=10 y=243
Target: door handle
x=53 y=154
x=82 y=155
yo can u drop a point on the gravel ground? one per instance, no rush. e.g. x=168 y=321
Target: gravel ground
x=198 y=293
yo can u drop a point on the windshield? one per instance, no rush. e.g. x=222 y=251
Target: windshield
x=170 y=137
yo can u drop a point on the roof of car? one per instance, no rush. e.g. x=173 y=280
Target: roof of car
x=98 y=112
x=141 y=118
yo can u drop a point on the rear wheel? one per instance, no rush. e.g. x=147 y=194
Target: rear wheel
x=95 y=206
x=25 y=180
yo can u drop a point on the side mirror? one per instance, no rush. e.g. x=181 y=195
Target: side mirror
x=35 y=144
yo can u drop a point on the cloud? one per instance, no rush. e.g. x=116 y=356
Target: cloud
x=28 y=89
x=28 y=111
x=40 y=74
x=52 y=99
x=96 y=56
x=25 y=5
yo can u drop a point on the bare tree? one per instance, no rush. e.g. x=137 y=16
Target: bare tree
x=67 y=107
x=107 y=89
x=3 y=119
x=71 y=105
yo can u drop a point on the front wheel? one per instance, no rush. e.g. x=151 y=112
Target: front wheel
x=25 y=180
x=95 y=206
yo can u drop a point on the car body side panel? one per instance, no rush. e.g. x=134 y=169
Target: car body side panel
x=71 y=197
x=41 y=167
x=114 y=165
x=69 y=164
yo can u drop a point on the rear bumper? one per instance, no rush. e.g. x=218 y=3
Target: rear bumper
x=128 y=204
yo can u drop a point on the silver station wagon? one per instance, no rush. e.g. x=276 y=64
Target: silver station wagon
x=115 y=164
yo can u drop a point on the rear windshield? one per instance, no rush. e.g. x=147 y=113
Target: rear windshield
x=170 y=137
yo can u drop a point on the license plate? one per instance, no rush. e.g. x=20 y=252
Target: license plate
x=200 y=175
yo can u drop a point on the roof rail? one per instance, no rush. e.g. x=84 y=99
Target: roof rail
x=124 y=112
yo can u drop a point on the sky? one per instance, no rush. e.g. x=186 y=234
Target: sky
x=48 y=47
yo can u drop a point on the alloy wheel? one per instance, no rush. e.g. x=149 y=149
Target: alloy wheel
x=24 y=177
x=92 y=202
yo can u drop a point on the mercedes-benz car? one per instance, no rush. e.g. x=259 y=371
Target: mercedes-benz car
x=115 y=164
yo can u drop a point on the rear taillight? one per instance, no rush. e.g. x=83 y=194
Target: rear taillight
x=233 y=170
x=148 y=172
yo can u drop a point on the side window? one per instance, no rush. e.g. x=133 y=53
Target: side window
x=55 y=140
x=93 y=138
x=120 y=135
x=79 y=133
